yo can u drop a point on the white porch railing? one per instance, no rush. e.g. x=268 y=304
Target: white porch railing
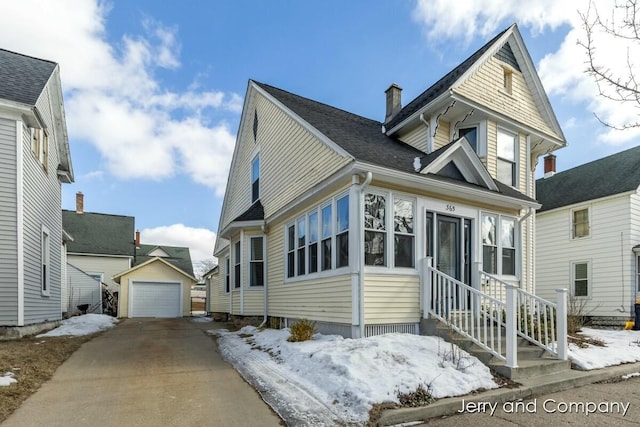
x=480 y=314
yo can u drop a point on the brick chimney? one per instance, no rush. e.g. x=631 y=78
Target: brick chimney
x=137 y=239
x=549 y=166
x=79 y=203
x=394 y=101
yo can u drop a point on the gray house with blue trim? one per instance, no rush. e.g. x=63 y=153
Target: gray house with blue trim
x=35 y=162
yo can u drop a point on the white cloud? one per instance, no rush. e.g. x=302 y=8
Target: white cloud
x=563 y=71
x=114 y=101
x=200 y=241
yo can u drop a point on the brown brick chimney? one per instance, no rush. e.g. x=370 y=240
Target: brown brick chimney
x=549 y=166
x=394 y=101
x=137 y=238
x=79 y=203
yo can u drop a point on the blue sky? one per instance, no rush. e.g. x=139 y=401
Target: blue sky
x=153 y=89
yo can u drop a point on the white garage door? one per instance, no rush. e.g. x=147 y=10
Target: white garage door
x=151 y=299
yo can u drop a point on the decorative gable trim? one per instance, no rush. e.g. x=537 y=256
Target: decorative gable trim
x=465 y=159
x=516 y=44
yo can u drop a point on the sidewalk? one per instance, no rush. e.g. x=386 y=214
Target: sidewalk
x=529 y=387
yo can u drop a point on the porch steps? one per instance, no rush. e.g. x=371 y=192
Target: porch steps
x=532 y=360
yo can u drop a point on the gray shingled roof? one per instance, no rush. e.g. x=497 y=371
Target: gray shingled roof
x=178 y=256
x=611 y=175
x=254 y=213
x=363 y=139
x=441 y=86
x=96 y=233
x=22 y=77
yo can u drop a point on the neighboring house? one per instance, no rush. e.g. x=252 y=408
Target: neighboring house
x=588 y=235
x=83 y=290
x=101 y=245
x=35 y=161
x=330 y=216
x=158 y=285
x=208 y=280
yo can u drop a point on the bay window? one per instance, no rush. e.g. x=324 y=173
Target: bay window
x=342 y=232
x=327 y=232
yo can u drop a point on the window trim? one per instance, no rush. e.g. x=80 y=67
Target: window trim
x=390 y=242
x=318 y=209
x=572 y=224
x=255 y=182
x=40 y=148
x=481 y=135
x=498 y=244
x=227 y=274
x=573 y=279
x=45 y=261
x=251 y=261
x=237 y=265
x=515 y=169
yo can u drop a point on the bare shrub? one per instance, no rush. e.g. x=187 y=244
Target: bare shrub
x=302 y=330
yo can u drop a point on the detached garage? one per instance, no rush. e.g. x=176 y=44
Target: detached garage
x=155 y=288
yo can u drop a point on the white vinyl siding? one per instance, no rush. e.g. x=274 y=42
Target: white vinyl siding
x=8 y=224
x=219 y=294
x=321 y=297
x=486 y=87
x=391 y=299
x=106 y=265
x=308 y=161
x=42 y=198
x=82 y=289
x=608 y=250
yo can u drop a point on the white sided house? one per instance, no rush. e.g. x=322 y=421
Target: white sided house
x=588 y=235
x=368 y=227
x=35 y=158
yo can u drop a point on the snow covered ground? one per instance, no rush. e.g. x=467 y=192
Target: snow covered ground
x=82 y=325
x=7 y=379
x=331 y=380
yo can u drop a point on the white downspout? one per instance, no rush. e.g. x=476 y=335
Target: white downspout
x=265 y=270
x=360 y=191
x=429 y=145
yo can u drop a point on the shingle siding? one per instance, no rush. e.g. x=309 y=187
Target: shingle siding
x=8 y=224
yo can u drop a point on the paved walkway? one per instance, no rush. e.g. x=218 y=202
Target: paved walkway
x=146 y=372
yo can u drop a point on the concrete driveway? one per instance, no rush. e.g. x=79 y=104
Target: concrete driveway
x=146 y=372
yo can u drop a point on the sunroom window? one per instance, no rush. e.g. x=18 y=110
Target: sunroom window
x=375 y=236
x=498 y=244
x=403 y=227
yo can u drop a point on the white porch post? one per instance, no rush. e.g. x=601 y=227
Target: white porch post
x=561 y=305
x=512 y=348
x=427 y=262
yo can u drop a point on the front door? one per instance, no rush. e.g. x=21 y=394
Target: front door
x=448 y=246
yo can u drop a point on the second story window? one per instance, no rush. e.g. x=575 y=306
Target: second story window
x=39 y=145
x=580 y=223
x=255 y=178
x=507 y=157
x=472 y=136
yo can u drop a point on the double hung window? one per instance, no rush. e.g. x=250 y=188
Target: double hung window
x=498 y=244
x=507 y=157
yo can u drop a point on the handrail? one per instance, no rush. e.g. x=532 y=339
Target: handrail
x=536 y=317
x=482 y=315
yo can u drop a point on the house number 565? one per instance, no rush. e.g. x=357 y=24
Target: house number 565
x=450 y=208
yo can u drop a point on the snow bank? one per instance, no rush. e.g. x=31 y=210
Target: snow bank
x=7 y=379
x=350 y=375
x=86 y=324
x=621 y=346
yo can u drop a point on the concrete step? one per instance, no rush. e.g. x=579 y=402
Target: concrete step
x=533 y=361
